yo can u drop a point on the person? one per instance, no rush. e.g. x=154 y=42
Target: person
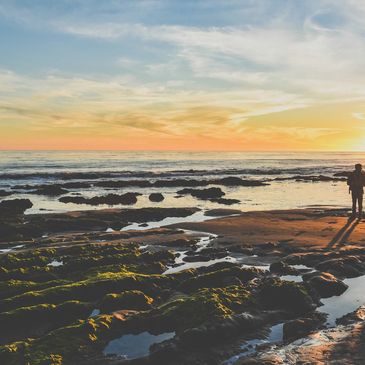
x=356 y=182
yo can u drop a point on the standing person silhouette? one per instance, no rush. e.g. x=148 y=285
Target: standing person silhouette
x=356 y=182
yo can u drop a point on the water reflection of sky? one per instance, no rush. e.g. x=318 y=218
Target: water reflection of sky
x=135 y=346
x=351 y=299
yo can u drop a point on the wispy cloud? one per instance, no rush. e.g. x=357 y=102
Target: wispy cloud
x=211 y=76
x=360 y=116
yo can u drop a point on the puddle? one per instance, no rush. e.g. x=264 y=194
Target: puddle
x=7 y=250
x=195 y=217
x=195 y=265
x=55 y=263
x=302 y=267
x=249 y=347
x=131 y=347
x=294 y=278
x=347 y=302
x=94 y=313
x=203 y=243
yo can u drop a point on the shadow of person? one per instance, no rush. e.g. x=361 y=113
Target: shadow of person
x=344 y=233
x=347 y=234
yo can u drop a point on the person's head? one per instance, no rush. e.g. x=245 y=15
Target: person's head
x=358 y=167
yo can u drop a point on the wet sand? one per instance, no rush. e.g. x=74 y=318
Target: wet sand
x=310 y=228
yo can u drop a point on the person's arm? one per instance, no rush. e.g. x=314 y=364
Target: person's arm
x=349 y=182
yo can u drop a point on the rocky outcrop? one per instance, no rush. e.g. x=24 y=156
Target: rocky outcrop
x=326 y=284
x=132 y=299
x=14 y=207
x=345 y=266
x=283 y=268
x=225 y=201
x=110 y=199
x=277 y=294
x=204 y=194
x=50 y=190
x=301 y=327
x=233 y=275
x=237 y=181
x=156 y=197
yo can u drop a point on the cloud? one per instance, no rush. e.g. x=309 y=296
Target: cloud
x=209 y=76
x=360 y=116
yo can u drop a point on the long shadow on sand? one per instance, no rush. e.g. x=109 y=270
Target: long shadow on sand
x=343 y=234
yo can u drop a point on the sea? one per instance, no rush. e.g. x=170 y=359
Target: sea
x=282 y=171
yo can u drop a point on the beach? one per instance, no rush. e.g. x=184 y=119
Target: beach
x=182 y=286
x=205 y=259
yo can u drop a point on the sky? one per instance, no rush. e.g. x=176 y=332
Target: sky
x=242 y=75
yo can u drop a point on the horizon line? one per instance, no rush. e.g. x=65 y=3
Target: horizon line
x=179 y=150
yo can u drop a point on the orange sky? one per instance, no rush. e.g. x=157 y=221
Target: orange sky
x=143 y=75
x=325 y=127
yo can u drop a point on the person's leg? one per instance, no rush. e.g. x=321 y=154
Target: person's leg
x=360 y=198
x=354 y=198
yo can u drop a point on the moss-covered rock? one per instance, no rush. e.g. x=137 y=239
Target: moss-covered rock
x=220 y=278
x=280 y=294
x=204 y=305
x=38 y=319
x=90 y=289
x=131 y=299
x=61 y=346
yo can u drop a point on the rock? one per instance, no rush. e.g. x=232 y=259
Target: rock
x=325 y=284
x=347 y=266
x=50 y=190
x=280 y=294
x=182 y=242
x=282 y=268
x=342 y=174
x=156 y=197
x=5 y=193
x=205 y=194
x=220 y=278
x=132 y=299
x=110 y=199
x=154 y=214
x=220 y=212
x=267 y=360
x=225 y=201
x=15 y=206
x=236 y=181
x=301 y=327
x=225 y=328
x=76 y=185
x=196 y=258
x=356 y=316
